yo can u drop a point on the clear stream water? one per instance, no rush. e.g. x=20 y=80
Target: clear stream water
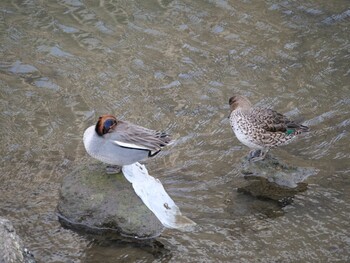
x=173 y=65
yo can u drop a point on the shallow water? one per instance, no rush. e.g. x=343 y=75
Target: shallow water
x=173 y=65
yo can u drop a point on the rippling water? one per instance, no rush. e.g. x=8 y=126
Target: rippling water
x=173 y=65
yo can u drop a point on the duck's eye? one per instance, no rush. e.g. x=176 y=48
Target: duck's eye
x=232 y=100
x=107 y=125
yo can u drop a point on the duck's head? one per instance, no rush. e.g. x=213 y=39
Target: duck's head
x=239 y=101
x=105 y=124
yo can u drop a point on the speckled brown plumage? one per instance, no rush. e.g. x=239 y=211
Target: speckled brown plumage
x=261 y=128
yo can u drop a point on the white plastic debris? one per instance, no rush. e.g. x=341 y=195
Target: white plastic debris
x=153 y=195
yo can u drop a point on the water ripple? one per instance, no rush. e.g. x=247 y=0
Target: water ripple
x=173 y=65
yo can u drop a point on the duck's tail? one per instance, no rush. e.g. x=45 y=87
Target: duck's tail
x=304 y=128
x=294 y=128
x=165 y=138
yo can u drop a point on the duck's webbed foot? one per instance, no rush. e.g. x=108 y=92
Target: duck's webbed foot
x=257 y=155
x=113 y=169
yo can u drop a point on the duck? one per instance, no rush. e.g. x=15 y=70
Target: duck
x=119 y=143
x=261 y=129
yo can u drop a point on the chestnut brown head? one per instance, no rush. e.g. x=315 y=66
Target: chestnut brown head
x=105 y=124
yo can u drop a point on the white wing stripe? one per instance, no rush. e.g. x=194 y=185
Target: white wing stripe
x=130 y=145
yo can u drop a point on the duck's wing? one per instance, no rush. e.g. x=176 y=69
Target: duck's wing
x=272 y=121
x=128 y=135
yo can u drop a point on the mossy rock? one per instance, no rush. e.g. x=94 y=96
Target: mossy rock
x=96 y=202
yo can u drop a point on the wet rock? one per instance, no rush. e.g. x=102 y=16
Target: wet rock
x=100 y=203
x=11 y=246
x=274 y=179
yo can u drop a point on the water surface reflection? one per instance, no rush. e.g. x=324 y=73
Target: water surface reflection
x=174 y=64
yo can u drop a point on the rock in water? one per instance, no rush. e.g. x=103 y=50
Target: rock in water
x=274 y=179
x=11 y=246
x=97 y=202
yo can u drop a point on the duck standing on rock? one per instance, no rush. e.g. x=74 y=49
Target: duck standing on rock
x=261 y=128
x=120 y=143
x=123 y=144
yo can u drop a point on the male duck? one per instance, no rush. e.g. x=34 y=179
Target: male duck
x=120 y=143
x=260 y=128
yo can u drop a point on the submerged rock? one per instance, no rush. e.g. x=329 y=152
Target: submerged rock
x=262 y=188
x=94 y=201
x=11 y=246
x=274 y=179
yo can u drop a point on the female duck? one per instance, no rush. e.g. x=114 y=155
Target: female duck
x=261 y=129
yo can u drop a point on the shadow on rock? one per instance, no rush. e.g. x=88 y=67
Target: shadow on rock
x=274 y=180
x=99 y=203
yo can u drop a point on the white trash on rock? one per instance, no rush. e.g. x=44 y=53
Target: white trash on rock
x=154 y=196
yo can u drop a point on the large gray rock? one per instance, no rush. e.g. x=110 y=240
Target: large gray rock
x=96 y=202
x=11 y=246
